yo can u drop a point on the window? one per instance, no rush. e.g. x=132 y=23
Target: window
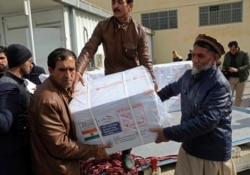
x=221 y=14
x=160 y=20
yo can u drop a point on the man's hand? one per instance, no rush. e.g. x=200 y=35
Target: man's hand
x=232 y=69
x=160 y=135
x=78 y=77
x=101 y=152
x=155 y=86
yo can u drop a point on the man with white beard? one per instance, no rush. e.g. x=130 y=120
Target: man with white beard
x=206 y=106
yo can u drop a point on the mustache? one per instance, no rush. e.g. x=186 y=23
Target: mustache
x=116 y=10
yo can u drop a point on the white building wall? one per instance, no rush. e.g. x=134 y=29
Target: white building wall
x=66 y=26
x=85 y=25
x=52 y=29
x=48 y=32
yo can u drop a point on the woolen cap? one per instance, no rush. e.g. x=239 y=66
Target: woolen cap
x=212 y=42
x=17 y=54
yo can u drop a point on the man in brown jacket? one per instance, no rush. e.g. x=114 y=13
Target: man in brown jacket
x=125 y=46
x=54 y=147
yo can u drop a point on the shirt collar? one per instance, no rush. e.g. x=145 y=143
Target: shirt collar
x=63 y=91
x=13 y=76
x=124 y=25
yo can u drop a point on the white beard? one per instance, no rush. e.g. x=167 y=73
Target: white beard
x=195 y=70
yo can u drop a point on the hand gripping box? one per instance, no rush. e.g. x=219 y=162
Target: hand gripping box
x=119 y=109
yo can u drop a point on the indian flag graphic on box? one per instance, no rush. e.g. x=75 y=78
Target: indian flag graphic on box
x=90 y=134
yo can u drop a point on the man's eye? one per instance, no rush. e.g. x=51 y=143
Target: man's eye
x=69 y=69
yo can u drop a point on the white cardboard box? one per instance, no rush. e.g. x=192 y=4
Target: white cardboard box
x=164 y=73
x=119 y=109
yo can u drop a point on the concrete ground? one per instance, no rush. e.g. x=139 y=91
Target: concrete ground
x=246 y=96
x=246 y=104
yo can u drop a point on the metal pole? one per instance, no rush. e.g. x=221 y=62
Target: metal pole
x=27 y=10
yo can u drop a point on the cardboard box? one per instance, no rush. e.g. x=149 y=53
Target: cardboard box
x=165 y=74
x=119 y=109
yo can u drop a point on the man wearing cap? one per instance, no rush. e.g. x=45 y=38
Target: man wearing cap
x=3 y=60
x=14 y=100
x=206 y=105
x=236 y=66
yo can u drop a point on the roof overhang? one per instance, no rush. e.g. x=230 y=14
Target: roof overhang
x=13 y=7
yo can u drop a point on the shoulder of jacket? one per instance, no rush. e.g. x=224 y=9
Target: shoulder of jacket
x=243 y=52
x=7 y=79
x=106 y=21
x=137 y=25
x=8 y=85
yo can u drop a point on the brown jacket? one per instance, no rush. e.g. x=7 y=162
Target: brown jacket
x=125 y=47
x=55 y=149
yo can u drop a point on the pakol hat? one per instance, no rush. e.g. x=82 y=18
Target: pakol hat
x=17 y=54
x=219 y=49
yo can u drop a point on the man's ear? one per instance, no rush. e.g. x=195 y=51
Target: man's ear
x=131 y=5
x=216 y=58
x=50 y=70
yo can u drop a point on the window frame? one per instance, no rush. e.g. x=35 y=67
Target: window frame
x=221 y=14
x=161 y=20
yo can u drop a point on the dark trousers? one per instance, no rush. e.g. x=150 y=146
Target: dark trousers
x=126 y=151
